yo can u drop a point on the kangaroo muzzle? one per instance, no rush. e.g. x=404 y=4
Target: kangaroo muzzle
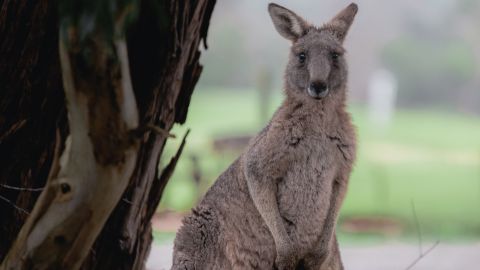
x=317 y=90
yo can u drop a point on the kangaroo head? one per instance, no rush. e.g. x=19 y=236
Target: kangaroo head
x=316 y=67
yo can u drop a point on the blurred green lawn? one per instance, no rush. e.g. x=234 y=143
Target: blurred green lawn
x=431 y=158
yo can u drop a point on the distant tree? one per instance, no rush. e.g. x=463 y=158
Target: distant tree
x=435 y=63
x=430 y=70
x=101 y=186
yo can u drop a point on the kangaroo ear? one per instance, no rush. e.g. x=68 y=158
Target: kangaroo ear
x=340 y=24
x=288 y=24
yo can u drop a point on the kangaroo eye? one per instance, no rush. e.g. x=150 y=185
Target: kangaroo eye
x=302 y=57
x=334 y=56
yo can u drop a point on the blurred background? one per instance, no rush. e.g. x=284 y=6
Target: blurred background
x=414 y=95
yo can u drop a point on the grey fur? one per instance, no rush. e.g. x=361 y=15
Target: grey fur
x=276 y=206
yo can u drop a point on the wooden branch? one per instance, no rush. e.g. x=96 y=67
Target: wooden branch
x=421 y=255
x=89 y=178
x=162 y=180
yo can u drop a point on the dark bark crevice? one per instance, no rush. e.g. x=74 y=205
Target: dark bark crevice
x=30 y=93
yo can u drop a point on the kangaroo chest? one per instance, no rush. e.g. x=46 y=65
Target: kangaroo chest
x=308 y=181
x=316 y=158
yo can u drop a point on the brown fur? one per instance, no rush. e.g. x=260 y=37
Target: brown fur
x=276 y=206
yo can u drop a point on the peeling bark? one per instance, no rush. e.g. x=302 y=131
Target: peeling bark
x=163 y=61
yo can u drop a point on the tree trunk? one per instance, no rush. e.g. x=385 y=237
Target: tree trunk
x=163 y=60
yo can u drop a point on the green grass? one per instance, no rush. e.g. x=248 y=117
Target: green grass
x=163 y=237
x=429 y=157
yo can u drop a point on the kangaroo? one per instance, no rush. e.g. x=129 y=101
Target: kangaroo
x=276 y=206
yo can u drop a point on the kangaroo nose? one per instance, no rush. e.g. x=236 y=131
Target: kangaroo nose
x=318 y=89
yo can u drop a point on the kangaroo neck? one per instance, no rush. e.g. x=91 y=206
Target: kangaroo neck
x=323 y=112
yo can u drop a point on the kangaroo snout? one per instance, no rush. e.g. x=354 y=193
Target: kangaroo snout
x=317 y=89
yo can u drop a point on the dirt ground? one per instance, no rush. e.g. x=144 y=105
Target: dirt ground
x=376 y=257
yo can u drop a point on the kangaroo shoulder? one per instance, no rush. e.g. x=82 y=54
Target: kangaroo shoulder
x=344 y=137
x=268 y=152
